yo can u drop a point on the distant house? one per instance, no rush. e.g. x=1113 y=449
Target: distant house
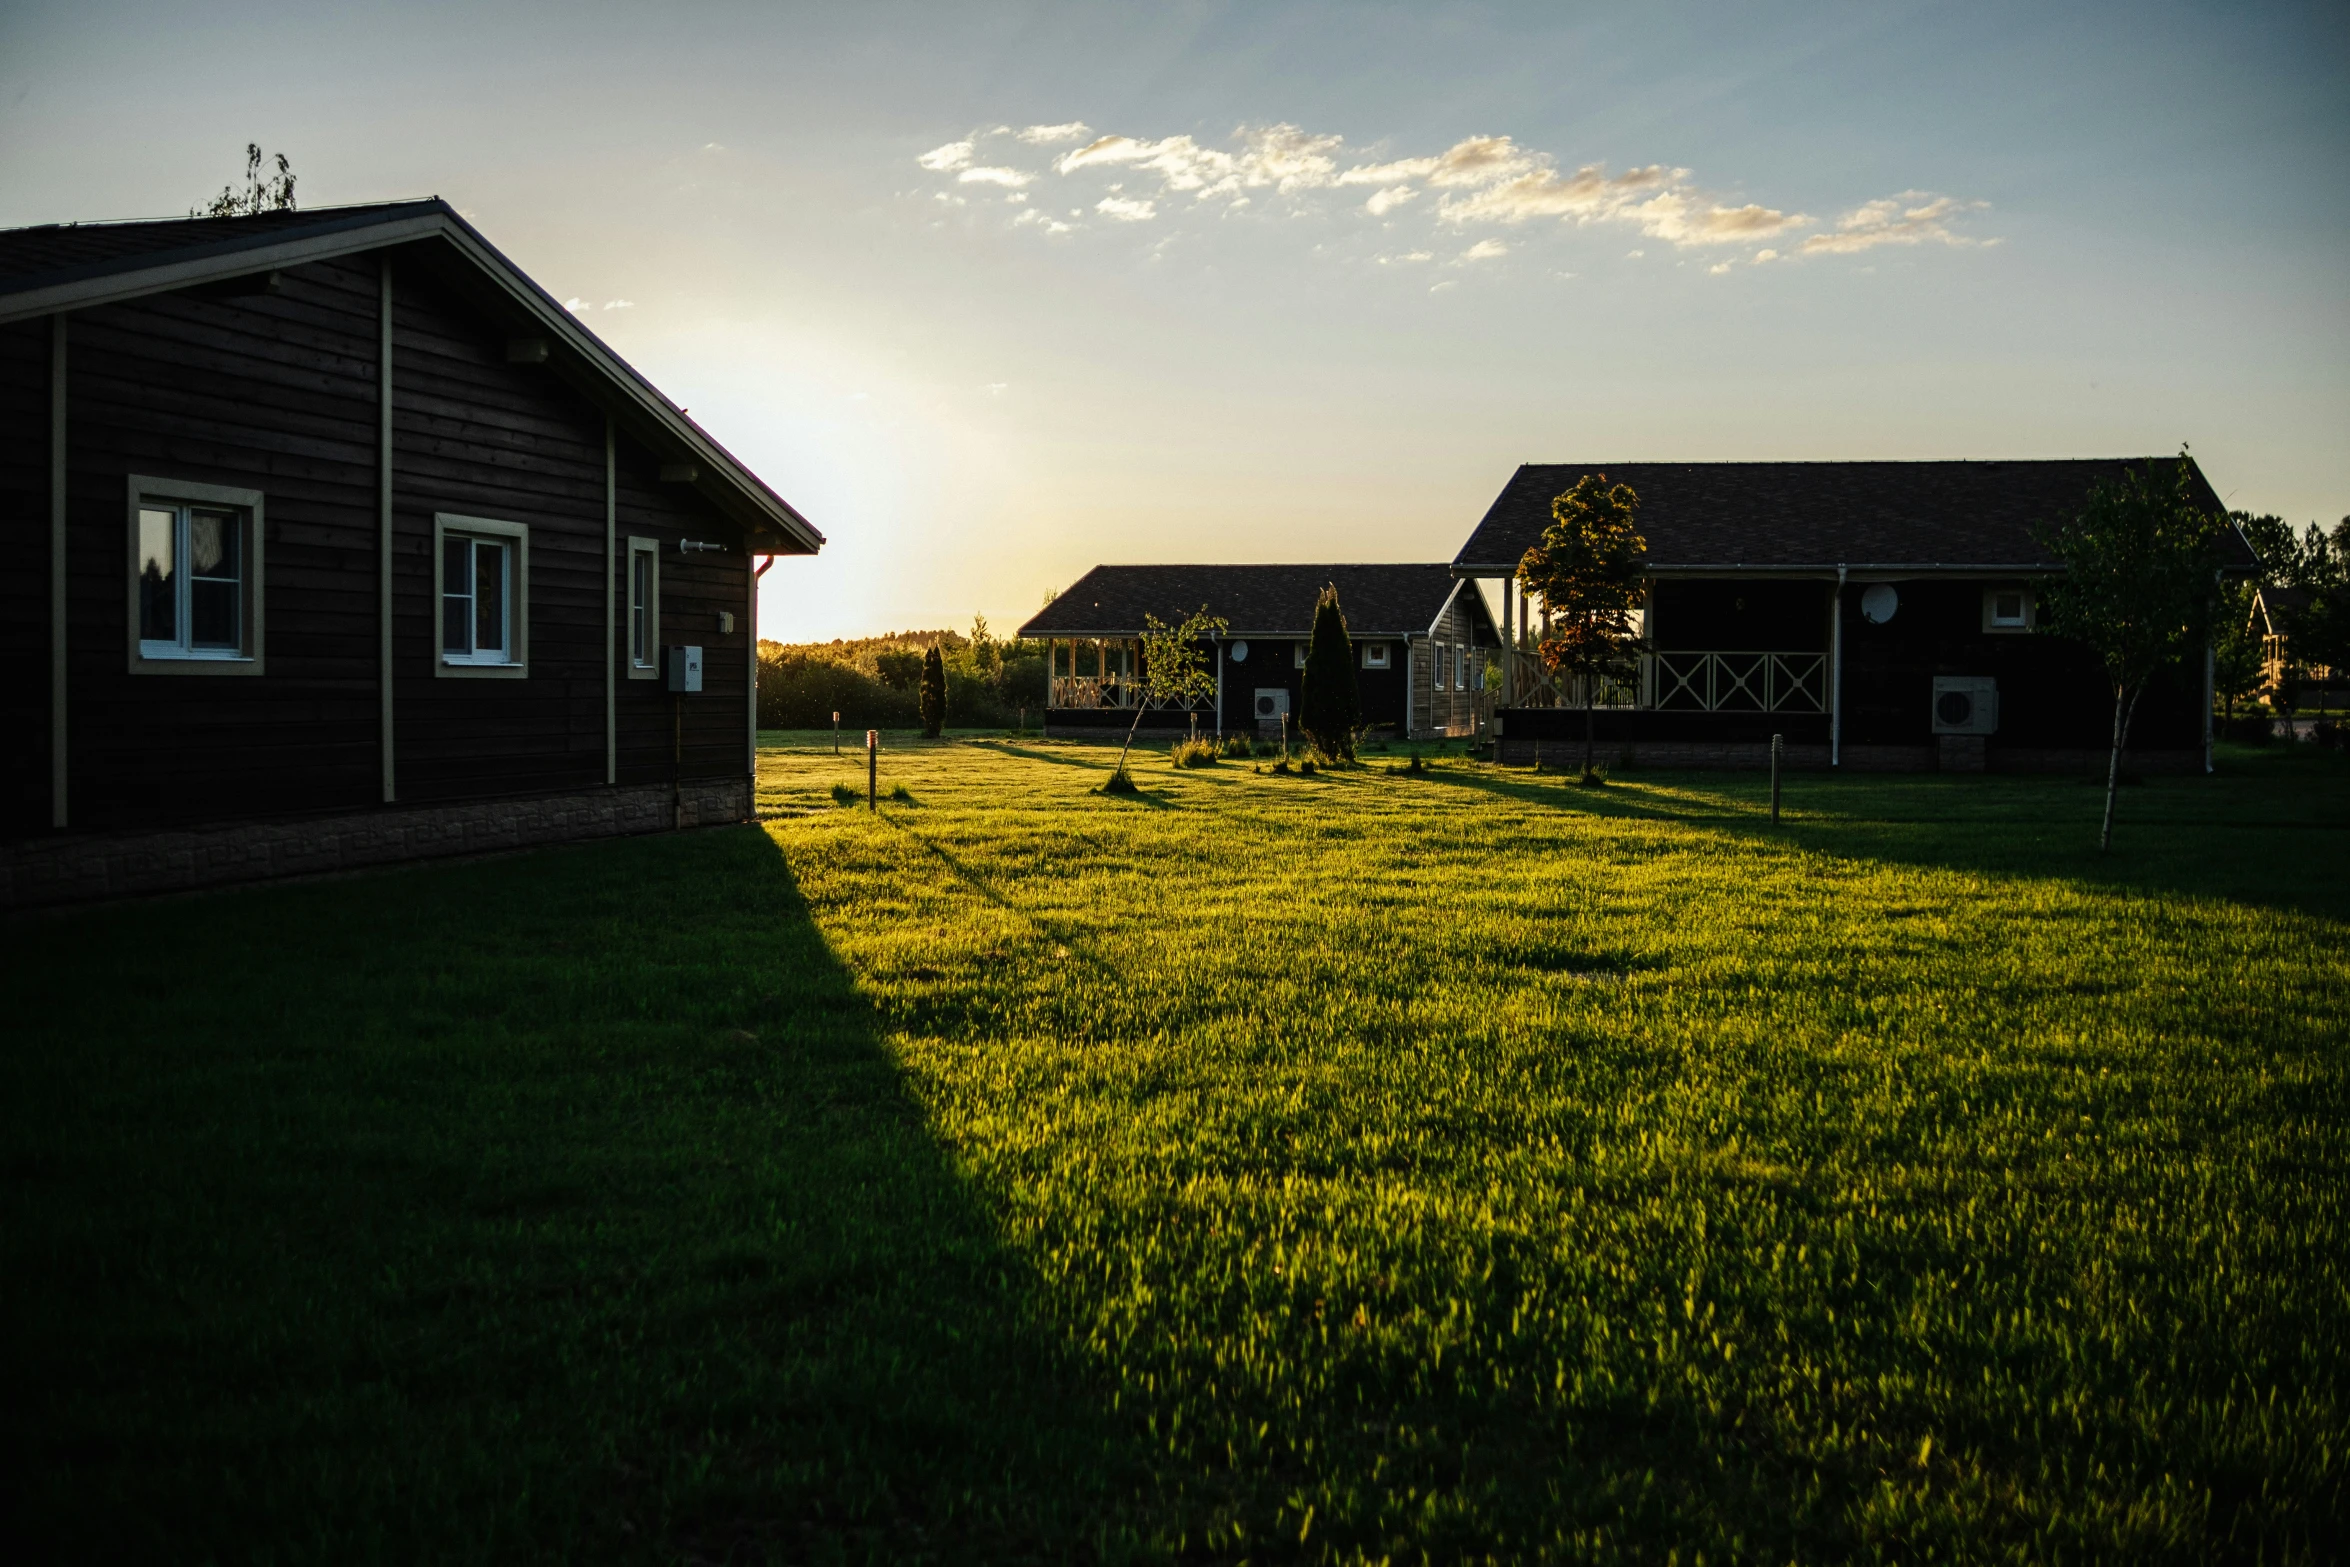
x=1422 y=641
x=330 y=539
x=1879 y=615
x=2275 y=607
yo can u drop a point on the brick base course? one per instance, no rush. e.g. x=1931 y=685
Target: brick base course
x=86 y=867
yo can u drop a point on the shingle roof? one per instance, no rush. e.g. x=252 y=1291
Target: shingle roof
x=1258 y=601
x=56 y=268
x=1816 y=515
x=53 y=253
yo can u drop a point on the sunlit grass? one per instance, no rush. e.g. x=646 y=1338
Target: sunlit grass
x=1340 y=1167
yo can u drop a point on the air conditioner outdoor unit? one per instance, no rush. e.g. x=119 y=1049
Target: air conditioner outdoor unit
x=1966 y=705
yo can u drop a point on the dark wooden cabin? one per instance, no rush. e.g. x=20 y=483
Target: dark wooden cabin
x=1422 y=641
x=330 y=539
x=1878 y=615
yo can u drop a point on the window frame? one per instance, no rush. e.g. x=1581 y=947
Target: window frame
x=1378 y=655
x=650 y=667
x=1995 y=626
x=516 y=664
x=1439 y=663
x=143 y=488
x=1297 y=654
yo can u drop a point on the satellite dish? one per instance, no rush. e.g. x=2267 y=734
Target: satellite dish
x=1878 y=604
x=1240 y=652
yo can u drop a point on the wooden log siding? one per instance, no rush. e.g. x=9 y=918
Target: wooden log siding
x=273 y=393
x=24 y=587
x=279 y=393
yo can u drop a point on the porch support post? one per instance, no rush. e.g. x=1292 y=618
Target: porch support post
x=1836 y=673
x=1216 y=646
x=2210 y=678
x=383 y=531
x=612 y=618
x=57 y=534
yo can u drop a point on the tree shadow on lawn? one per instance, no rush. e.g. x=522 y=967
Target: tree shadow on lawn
x=2236 y=839
x=567 y=1206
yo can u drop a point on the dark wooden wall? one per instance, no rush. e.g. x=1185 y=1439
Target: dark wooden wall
x=24 y=579
x=277 y=393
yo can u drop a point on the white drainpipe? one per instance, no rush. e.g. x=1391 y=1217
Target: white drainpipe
x=1836 y=689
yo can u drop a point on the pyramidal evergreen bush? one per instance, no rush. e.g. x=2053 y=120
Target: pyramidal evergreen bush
x=934 y=692
x=1328 y=708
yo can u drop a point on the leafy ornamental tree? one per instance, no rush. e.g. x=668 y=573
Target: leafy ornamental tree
x=261 y=193
x=1172 y=669
x=1589 y=570
x=934 y=692
x=2239 y=663
x=2140 y=587
x=1329 y=707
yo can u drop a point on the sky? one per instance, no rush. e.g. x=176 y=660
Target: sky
x=995 y=293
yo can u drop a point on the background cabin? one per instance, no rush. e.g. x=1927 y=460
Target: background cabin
x=1423 y=641
x=331 y=538
x=1879 y=615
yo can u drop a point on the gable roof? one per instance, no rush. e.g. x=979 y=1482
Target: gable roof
x=59 y=267
x=1815 y=516
x=1257 y=601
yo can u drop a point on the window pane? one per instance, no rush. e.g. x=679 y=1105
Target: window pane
x=213 y=537
x=640 y=606
x=212 y=613
x=456 y=595
x=489 y=597
x=158 y=617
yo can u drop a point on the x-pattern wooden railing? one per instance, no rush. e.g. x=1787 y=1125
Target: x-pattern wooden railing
x=1739 y=682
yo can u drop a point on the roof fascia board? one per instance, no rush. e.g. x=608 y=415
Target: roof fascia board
x=1826 y=569
x=135 y=282
x=670 y=419
x=437 y=222
x=1446 y=607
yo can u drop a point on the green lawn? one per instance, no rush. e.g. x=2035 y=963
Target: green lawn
x=1344 y=1168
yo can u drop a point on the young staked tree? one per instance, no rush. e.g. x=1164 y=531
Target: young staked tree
x=262 y=193
x=934 y=692
x=1173 y=669
x=2140 y=587
x=1328 y=705
x=1590 y=573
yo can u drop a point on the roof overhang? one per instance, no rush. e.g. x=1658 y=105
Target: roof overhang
x=771 y=525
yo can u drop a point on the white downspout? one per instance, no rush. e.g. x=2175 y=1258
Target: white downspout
x=1836 y=686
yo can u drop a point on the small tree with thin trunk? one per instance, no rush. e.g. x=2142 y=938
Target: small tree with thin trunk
x=1590 y=571
x=2140 y=587
x=1329 y=707
x=1173 y=669
x=934 y=692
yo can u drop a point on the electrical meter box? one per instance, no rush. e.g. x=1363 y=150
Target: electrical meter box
x=685 y=669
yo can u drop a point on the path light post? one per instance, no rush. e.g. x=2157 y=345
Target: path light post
x=836 y=734
x=872 y=767
x=1778 y=749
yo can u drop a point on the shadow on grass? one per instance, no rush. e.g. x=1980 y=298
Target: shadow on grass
x=2268 y=836
x=562 y=1207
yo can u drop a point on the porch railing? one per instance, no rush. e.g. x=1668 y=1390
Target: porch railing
x=1689 y=682
x=1100 y=691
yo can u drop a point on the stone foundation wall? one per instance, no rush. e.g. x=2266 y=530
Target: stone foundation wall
x=87 y=867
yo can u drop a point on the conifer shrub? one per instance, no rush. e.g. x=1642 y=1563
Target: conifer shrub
x=934 y=692
x=1329 y=710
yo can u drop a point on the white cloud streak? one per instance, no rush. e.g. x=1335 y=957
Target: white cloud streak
x=1479 y=181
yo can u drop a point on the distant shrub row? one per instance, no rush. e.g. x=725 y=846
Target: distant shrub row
x=876 y=683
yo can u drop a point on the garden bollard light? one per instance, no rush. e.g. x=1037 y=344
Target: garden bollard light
x=1778 y=748
x=836 y=734
x=872 y=768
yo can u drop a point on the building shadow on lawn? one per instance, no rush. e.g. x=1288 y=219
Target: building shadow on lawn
x=2234 y=840
x=567 y=1206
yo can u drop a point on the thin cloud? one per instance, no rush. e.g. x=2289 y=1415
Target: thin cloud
x=1915 y=217
x=1479 y=181
x=619 y=304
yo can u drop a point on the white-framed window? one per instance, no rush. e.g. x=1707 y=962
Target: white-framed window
x=1440 y=664
x=643 y=622
x=194 y=578
x=1376 y=655
x=481 y=583
x=1297 y=654
x=1460 y=666
x=2007 y=609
